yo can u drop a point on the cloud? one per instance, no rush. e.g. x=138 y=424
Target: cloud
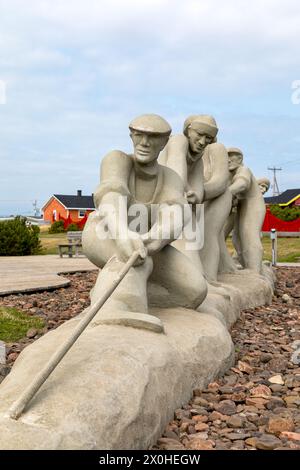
x=77 y=72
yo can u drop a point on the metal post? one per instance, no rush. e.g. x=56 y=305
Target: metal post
x=274 y=246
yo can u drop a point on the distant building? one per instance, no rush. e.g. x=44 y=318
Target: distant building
x=290 y=197
x=74 y=208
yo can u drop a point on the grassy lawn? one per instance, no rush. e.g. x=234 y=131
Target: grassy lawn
x=288 y=249
x=50 y=242
x=15 y=324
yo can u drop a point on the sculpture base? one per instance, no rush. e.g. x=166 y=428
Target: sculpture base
x=119 y=386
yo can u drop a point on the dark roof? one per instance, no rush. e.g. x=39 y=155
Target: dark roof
x=76 y=202
x=284 y=197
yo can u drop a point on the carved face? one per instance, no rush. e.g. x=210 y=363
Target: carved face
x=263 y=187
x=198 y=140
x=147 y=147
x=234 y=161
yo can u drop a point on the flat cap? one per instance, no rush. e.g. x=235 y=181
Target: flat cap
x=235 y=150
x=151 y=124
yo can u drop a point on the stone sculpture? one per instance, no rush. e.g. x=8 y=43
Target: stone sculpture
x=125 y=181
x=248 y=212
x=118 y=387
x=264 y=184
x=202 y=164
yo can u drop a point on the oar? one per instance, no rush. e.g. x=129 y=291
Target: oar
x=18 y=406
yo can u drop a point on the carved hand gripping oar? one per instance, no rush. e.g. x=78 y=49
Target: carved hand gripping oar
x=18 y=406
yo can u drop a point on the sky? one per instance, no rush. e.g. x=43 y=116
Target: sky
x=74 y=73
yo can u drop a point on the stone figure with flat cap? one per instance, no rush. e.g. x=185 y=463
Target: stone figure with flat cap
x=247 y=218
x=202 y=163
x=264 y=184
x=138 y=180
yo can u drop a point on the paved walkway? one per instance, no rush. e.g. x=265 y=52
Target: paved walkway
x=34 y=273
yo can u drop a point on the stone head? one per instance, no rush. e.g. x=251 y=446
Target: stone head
x=201 y=130
x=264 y=184
x=150 y=134
x=235 y=158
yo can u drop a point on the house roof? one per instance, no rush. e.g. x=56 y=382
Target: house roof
x=285 y=198
x=76 y=202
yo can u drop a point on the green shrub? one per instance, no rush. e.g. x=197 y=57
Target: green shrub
x=285 y=213
x=73 y=228
x=18 y=238
x=57 y=227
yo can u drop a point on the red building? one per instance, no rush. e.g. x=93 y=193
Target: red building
x=69 y=208
x=289 y=198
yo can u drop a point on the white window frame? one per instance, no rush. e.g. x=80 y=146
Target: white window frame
x=79 y=213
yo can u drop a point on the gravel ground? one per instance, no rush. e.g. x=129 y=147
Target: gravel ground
x=254 y=406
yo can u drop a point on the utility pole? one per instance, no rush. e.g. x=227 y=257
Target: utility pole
x=275 y=186
x=36 y=209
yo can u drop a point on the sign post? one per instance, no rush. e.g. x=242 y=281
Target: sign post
x=274 y=246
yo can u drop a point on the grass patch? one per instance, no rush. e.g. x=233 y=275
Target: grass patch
x=50 y=242
x=15 y=324
x=288 y=249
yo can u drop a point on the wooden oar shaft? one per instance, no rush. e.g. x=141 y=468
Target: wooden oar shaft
x=18 y=406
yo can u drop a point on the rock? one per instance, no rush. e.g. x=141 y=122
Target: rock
x=274 y=403
x=234 y=436
x=200 y=418
x=226 y=407
x=286 y=299
x=200 y=444
x=264 y=442
x=234 y=422
x=215 y=415
x=276 y=379
x=244 y=367
x=292 y=400
x=257 y=402
x=290 y=284
x=238 y=397
x=279 y=424
x=295 y=358
x=199 y=427
x=266 y=357
x=180 y=414
x=295 y=344
x=32 y=333
x=294 y=436
x=200 y=401
x=226 y=389
x=238 y=445
x=12 y=356
x=171 y=435
x=277 y=364
x=169 y=444
x=276 y=388
x=261 y=391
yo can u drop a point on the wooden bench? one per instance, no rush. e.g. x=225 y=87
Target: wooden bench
x=73 y=246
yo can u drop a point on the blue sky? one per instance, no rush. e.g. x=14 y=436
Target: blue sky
x=76 y=72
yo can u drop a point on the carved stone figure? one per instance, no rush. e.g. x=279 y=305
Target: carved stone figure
x=137 y=180
x=202 y=163
x=264 y=184
x=248 y=212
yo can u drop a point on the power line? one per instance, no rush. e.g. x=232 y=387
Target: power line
x=275 y=186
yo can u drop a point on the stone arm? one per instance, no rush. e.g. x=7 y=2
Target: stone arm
x=173 y=213
x=241 y=182
x=110 y=200
x=174 y=157
x=218 y=159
